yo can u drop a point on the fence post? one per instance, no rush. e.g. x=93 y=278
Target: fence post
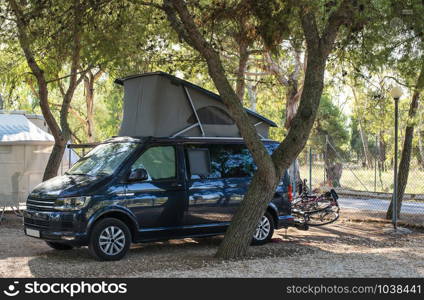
x=375 y=164
x=310 y=168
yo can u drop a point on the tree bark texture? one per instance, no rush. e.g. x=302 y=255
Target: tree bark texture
x=243 y=58
x=291 y=82
x=333 y=169
x=89 y=81
x=252 y=95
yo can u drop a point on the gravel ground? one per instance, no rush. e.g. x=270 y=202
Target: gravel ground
x=344 y=249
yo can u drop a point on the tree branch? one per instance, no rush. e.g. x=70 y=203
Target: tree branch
x=75 y=62
x=70 y=74
x=188 y=30
x=342 y=15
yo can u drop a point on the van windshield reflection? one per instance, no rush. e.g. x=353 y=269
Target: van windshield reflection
x=103 y=160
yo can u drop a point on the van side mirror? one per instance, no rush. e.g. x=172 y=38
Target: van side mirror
x=138 y=175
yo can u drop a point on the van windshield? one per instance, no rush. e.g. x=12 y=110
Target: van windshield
x=103 y=160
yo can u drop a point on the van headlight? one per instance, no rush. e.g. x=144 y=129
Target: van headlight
x=71 y=203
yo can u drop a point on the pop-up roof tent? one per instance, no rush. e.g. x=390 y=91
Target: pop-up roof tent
x=161 y=105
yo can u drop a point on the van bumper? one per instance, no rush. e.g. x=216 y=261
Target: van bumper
x=63 y=227
x=290 y=221
x=285 y=221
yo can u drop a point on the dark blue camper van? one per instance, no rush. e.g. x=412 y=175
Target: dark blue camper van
x=146 y=189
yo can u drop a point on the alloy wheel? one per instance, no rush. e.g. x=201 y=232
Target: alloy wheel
x=263 y=229
x=112 y=240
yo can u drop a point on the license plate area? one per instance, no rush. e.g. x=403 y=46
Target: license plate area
x=32 y=232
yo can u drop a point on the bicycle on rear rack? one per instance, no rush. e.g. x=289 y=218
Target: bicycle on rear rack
x=316 y=210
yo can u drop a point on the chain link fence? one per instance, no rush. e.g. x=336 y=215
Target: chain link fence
x=365 y=187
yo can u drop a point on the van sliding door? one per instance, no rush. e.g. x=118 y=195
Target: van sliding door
x=207 y=210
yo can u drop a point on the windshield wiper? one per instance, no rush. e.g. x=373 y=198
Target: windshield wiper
x=91 y=175
x=102 y=174
x=82 y=174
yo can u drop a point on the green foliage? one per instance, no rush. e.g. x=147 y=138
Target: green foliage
x=123 y=38
x=330 y=123
x=109 y=115
x=274 y=19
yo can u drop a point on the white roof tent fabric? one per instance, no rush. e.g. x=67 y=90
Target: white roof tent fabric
x=17 y=129
x=24 y=151
x=161 y=105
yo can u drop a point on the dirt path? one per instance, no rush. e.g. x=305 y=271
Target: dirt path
x=344 y=249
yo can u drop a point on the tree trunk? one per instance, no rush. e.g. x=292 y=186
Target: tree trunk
x=364 y=139
x=269 y=169
x=89 y=102
x=420 y=149
x=89 y=81
x=403 y=170
x=291 y=83
x=54 y=161
x=243 y=58
x=294 y=92
x=333 y=169
x=239 y=234
x=382 y=151
x=333 y=173
x=418 y=157
x=251 y=95
x=405 y=158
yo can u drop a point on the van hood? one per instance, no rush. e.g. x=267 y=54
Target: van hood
x=67 y=186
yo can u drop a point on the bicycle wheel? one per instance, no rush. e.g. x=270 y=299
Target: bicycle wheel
x=323 y=217
x=313 y=205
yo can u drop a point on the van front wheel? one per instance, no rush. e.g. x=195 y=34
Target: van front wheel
x=110 y=239
x=264 y=231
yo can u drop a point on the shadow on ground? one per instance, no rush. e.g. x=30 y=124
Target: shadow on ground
x=341 y=249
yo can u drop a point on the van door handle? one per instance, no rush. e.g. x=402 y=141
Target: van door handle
x=124 y=194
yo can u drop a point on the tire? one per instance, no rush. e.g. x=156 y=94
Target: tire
x=264 y=231
x=313 y=206
x=110 y=239
x=59 y=246
x=324 y=217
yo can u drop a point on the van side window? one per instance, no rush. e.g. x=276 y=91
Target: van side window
x=199 y=162
x=159 y=162
x=231 y=160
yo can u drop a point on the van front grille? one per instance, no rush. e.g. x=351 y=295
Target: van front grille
x=40 y=204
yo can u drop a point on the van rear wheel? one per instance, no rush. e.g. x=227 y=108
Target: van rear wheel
x=110 y=239
x=264 y=231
